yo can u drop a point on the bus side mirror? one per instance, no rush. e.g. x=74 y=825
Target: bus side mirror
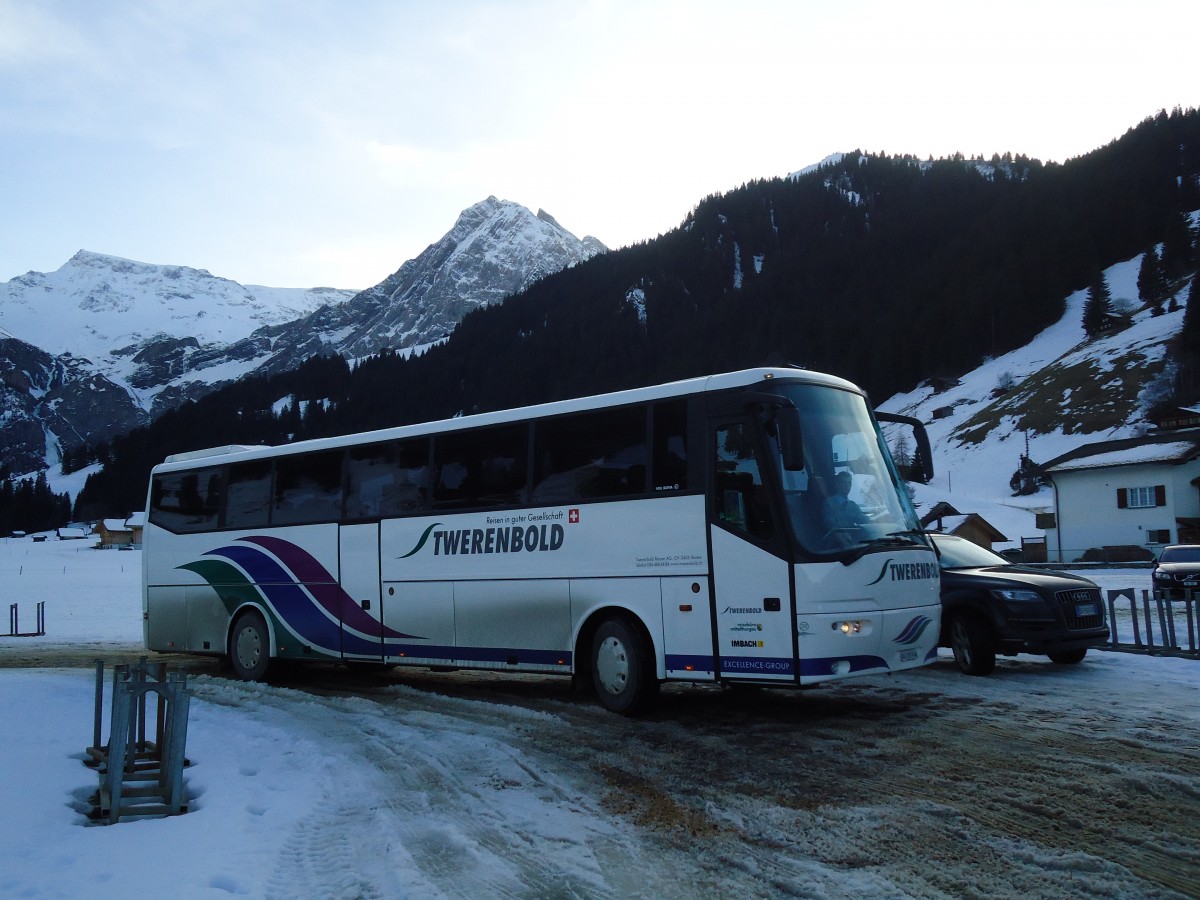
x=920 y=469
x=791 y=438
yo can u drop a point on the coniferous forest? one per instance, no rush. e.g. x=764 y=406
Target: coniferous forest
x=883 y=270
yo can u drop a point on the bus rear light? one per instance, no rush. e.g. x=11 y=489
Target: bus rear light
x=855 y=627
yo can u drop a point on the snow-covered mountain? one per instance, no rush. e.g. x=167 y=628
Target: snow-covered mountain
x=107 y=309
x=496 y=248
x=106 y=343
x=1056 y=393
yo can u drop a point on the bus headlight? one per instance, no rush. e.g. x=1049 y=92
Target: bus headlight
x=856 y=626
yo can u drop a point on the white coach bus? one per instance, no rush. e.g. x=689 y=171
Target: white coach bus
x=748 y=527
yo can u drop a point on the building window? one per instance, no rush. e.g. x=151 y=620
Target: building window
x=1158 y=536
x=1142 y=497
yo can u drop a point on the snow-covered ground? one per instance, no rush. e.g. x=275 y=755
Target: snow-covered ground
x=974 y=477
x=406 y=791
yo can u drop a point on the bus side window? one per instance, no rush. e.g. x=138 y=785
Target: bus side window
x=589 y=456
x=248 y=498
x=308 y=488
x=740 y=500
x=670 y=446
x=388 y=479
x=186 y=501
x=485 y=467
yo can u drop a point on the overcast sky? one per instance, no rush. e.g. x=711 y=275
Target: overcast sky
x=299 y=143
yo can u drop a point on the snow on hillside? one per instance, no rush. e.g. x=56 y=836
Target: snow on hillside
x=974 y=477
x=118 y=302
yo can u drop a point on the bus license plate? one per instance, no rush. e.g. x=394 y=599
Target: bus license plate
x=1085 y=609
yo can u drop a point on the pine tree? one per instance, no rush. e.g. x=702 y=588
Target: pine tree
x=1189 y=334
x=1151 y=283
x=1097 y=309
x=1178 y=250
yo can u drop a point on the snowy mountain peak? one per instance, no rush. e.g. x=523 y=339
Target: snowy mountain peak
x=95 y=303
x=496 y=248
x=112 y=339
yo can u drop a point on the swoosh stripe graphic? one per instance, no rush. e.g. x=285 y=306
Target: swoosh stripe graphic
x=882 y=572
x=913 y=630
x=324 y=587
x=290 y=601
x=229 y=583
x=313 y=618
x=421 y=543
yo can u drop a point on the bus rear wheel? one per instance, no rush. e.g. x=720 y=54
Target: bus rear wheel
x=250 y=646
x=623 y=667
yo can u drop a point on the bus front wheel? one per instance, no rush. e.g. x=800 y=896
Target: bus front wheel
x=623 y=667
x=250 y=646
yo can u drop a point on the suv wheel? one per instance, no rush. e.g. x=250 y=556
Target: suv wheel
x=972 y=645
x=1068 y=657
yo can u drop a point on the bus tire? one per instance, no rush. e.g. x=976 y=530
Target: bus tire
x=972 y=645
x=623 y=667
x=250 y=646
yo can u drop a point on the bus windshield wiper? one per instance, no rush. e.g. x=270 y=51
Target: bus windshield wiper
x=891 y=539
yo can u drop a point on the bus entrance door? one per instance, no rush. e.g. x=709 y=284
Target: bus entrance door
x=752 y=582
x=358 y=567
x=753 y=612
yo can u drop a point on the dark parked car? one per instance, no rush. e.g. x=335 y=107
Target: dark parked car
x=1177 y=570
x=990 y=606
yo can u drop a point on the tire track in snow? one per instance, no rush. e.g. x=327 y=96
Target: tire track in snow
x=448 y=795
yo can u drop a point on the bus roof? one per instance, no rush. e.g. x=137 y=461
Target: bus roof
x=683 y=388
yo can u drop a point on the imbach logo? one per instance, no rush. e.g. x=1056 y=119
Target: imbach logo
x=471 y=541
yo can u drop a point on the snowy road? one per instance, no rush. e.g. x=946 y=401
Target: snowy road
x=1037 y=781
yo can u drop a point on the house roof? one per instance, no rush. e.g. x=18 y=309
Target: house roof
x=1172 y=448
x=115 y=525
x=955 y=524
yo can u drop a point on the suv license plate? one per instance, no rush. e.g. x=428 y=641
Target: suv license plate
x=1085 y=609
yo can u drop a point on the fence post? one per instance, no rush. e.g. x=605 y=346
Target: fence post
x=1133 y=615
x=1146 y=612
x=1112 y=613
x=1169 y=630
x=1189 y=604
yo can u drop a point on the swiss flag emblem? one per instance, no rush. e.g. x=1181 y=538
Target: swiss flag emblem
x=573 y=517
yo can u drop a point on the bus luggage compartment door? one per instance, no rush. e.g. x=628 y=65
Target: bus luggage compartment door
x=358 y=572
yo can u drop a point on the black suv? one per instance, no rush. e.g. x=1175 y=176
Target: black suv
x=990 y=606
x=1177 y=570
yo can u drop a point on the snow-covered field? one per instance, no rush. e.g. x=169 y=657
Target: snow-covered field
x=331 y=786
x=974 y=477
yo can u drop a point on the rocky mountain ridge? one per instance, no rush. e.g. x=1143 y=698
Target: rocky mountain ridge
x=105 y=343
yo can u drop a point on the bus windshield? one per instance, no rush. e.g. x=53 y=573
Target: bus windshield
x=849 y=498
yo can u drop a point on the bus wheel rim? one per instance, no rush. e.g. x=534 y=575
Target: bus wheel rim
x=249 y=649
x=612 y=665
